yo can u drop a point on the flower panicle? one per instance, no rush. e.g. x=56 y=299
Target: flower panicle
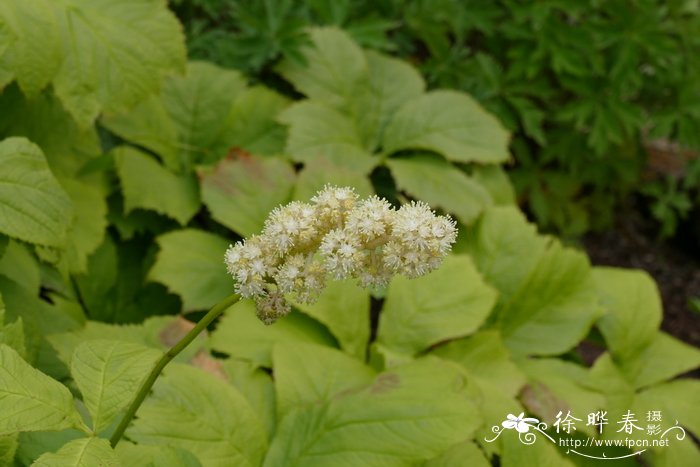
x=338 y=236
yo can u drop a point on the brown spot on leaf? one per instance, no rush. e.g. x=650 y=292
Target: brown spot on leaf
x=174 y=331
x=385 y=382
x=211 y=365
x=538 y=399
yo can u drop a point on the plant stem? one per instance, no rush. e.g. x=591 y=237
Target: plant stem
x=165 y=359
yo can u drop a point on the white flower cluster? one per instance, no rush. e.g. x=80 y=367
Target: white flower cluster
x=337 y=235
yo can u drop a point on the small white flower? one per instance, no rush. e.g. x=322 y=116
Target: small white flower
x=337 y=235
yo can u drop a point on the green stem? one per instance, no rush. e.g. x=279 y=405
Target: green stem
x=165 y=359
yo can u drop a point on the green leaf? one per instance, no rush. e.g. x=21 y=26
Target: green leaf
x=451 y=302
x=108 y=374
x=486 y=359
x=161 y=332
x=30 y=400
x=12 y=334
x=257 y=386
x=231 y=190
x=139 y=455
x=203 y=414
x=45 y=122
x=318 y=130
x=557 y=385
x=442 y=185
x=411 y=413
x=510 y=254
x=496 y=182
x=344 y=308
x=21 y=266
x=633 y=307
x=202 y=116
x=8 y=447
x=505 y=248
x=560 y=314
x=38 y=320
x=33 y=444
x=663 y=358
x=148 y=185
x=390 y=83
x=251 y=123
x=322 y=170
x=87 y=230
x=33 y=206
x=84 y=452
x=115 y=54
x=449 y=123
x=540 y=454
x=495 y=379
x=308 y=374
x=678 y=401
x=31 y=57
x=464 y=453
x=242 y=335
x=332 y=67
x=190 y=263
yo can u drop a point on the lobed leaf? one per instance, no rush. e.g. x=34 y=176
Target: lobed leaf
x=190 y=264
x=33 y=206
x=108 y=374
x=30 y=400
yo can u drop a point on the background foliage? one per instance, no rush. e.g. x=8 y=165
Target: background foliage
x=587 y=88
x=127 y=170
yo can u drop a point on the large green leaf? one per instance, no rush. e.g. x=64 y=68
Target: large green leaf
x=548 y=297
x=98 y=54
x=108 y=374
x=450 y=123
x=554 y=308
x=30 y=400
x=390 y=83
x=365 y=86
x=633 y=307
x=203 y=414
x=159 y=332
x=442 y=185
x=8 y=447
x=21 y=266
x=318 y=130
x=334 y=66
x=321 y=171
x=307 y=374
x=258 y=388
x=486 y=359
x=148 y=185
x=557 y=385
x=33 y=206
x=200 y=117
x=45 y=122
x=411 y=413
x=344 y=308
x=84 y=452
x=190 y=263
x=242 y=335
x=87 y=230
x=30 y=43
x=678 y=401
x=464 y=453
x=505 y=249
x=140 y=455
x=232 y=189
x=448 y=303
x=662 y=359
x=495 y=379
